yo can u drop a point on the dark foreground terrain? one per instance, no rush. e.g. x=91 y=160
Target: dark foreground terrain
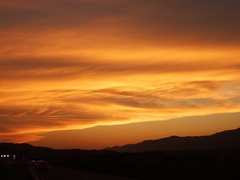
x=71 y=174
x=95 y=165
x=15 y=172
x=209 y=163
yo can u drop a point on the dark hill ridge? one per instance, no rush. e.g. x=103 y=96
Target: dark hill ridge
x=206 y=157
x=225 y=139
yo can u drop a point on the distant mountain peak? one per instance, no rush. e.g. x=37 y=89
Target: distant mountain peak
x=225 y=139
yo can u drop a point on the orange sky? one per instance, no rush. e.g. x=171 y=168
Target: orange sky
x=68 y=65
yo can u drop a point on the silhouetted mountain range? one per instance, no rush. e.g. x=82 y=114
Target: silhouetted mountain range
x=206 y=157
x=225 y=139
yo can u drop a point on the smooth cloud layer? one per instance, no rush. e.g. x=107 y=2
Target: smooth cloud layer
x=137 y=132
x=78 y=64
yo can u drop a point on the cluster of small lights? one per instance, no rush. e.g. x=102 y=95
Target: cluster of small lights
x=4 y=156
x=7 y=156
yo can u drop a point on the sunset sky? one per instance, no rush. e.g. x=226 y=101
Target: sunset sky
x=96 y=73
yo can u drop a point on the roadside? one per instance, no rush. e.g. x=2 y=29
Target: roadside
x=70 y=174
x=15 y=172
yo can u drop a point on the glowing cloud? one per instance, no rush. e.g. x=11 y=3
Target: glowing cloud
x=71 y=64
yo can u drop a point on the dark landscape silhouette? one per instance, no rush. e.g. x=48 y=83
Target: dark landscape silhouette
x=228 y=139
x=207 y=157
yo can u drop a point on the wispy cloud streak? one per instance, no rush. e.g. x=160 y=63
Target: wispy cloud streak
x=82 y=63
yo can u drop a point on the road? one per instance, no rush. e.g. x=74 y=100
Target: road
x=57 y=173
